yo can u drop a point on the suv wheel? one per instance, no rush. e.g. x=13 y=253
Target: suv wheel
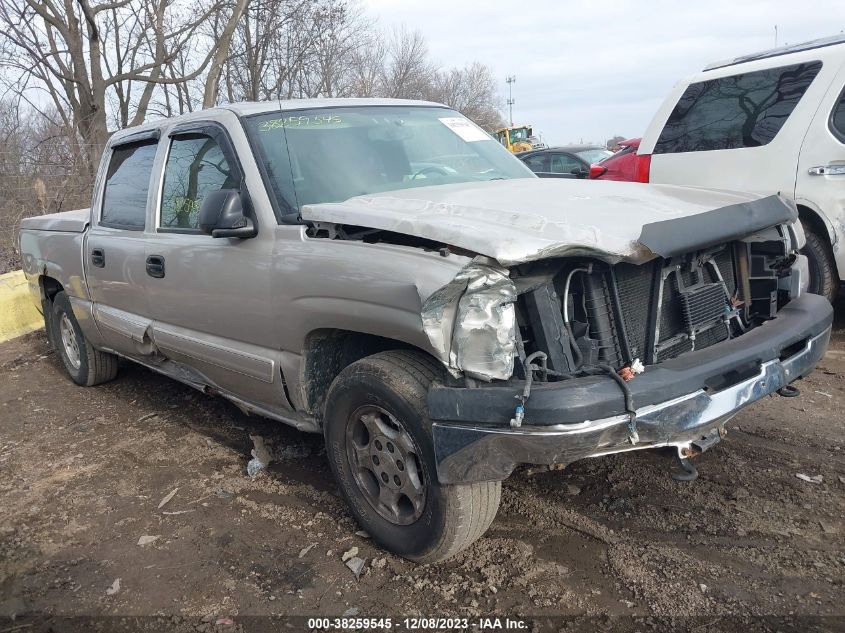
x=378 y=439
x=84 y=364
x=823 y=277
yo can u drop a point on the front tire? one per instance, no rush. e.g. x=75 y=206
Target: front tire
x=823 y=278
x=85 y=365
x=378 y=438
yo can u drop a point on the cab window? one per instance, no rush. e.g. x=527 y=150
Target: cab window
x=196 y=166
x=127 y=186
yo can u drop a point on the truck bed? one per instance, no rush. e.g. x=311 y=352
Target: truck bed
x=52 y=245
x=67 y=221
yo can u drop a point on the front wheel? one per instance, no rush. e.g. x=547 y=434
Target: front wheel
x=378 y=438
x=823 y=278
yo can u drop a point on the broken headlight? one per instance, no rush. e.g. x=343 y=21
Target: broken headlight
x=471 y=321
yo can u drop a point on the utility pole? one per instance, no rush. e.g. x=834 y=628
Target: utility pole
x=776 y=35
x=511 y=79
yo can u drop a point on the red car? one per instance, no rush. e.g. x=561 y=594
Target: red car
x=623 y=165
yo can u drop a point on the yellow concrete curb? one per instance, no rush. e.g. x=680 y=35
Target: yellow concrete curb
x=18 y=314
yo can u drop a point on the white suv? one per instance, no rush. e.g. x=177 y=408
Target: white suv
x=769 y=122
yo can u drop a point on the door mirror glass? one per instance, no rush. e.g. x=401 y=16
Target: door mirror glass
x=222 y=215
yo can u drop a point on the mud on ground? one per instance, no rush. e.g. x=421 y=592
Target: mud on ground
x=83 y=472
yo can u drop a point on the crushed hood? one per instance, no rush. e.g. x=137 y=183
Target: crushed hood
x=526 y=219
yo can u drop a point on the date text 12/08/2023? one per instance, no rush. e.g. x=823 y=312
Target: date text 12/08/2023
x=417 y=624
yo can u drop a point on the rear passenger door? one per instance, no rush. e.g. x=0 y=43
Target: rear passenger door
x=211 y=298
x=116 y=243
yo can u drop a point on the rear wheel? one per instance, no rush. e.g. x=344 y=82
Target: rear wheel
x=378 y=438
x=85 y=365
x=823 y=277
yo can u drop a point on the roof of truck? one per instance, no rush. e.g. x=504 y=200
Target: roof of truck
x=248 y=108
x=259 y=107
x=782 y=50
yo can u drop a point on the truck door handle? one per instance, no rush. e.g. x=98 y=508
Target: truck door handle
x=98 y=257
x=827 y=170
x=155 y=266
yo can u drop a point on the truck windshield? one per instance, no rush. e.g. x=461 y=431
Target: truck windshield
x=333 y=154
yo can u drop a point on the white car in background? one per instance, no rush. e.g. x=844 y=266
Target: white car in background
x=771 y=122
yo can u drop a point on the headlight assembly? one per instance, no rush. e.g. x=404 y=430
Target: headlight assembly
x=471 y=321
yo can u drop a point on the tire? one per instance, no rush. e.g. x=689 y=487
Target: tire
x=85 y=365
x=823 y=278
x=387 y=391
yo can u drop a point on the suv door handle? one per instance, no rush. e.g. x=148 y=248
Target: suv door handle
x=155 y=266
x=827 y=170
x=98 y=257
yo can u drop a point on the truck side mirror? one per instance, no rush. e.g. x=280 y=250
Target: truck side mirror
x=222 y=215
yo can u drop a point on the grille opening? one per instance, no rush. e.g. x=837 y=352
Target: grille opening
x=620 y=313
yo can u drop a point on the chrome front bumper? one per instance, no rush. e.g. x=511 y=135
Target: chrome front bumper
x=467 y=453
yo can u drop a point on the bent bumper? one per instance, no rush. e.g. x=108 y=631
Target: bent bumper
x=467 y=452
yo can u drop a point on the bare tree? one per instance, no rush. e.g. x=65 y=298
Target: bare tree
x=81 y=55
x=470 y=90
x=407 y=71
x=366 y=67
x=41 y=171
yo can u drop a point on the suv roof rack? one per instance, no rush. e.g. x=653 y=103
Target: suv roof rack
x=782 y=50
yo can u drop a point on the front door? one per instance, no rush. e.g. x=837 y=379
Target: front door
x=115 y=249
x=820 y=181
x=211 y=298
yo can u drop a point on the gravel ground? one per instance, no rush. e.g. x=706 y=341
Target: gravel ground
x=610 y=543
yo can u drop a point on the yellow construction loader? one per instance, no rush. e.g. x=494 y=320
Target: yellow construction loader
x=518 y=138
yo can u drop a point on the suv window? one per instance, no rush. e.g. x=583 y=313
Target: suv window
x=744 y=110
x=127 y=186
x=195 y=167
x=837 y=119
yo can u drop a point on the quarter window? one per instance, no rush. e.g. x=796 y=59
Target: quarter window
x=196 y=166
x=127 y=186
x=746 y=110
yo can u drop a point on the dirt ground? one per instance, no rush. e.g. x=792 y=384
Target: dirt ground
x=610 y=543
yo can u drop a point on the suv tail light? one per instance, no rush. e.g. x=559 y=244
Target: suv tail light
x=597 y=170
x=642 y=170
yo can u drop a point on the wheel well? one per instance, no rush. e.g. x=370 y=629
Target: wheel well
x=49 y=287
x=328 y=351
x=811 y=219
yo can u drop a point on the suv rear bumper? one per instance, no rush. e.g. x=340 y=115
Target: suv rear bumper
x=752 y=366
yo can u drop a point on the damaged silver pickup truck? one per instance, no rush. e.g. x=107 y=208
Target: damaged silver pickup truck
x=385 y=273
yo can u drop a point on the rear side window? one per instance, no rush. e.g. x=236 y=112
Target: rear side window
x=196 y=166
x=538 y=162
x=837 y=118
x=745 y=110
x=564 y=164
x=127 y=186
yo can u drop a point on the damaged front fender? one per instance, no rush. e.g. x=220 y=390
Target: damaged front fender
x=471 y=321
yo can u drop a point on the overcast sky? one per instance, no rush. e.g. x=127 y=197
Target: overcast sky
x=593 y=69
